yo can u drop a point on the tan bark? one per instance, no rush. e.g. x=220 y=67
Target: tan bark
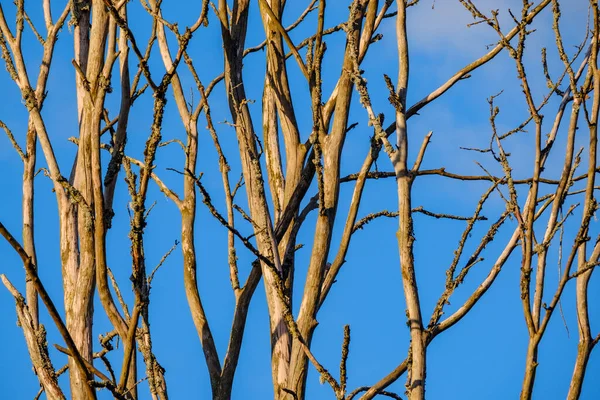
x=79 y=297
x=35 y=338
x=294 y=163
x=330 y=146
x=417 y=353
x=234 y=39
x=586 y=341
x=28 y=216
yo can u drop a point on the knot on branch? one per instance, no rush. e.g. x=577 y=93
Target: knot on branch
x=394 y=97
x=29 y=98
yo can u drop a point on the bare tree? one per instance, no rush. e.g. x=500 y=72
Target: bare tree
x=291 y=178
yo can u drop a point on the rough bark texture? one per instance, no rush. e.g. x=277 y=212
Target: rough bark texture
x=287 y=175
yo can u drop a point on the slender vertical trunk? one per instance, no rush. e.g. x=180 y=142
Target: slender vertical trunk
x=70 y=238
x=417 y=359
x=28 y=218
x=307 y=321
x=330 y=146
x=187 y=208
x=191 y=289
x=234 y=39
x=243 y=298
x=584 y=348
x=586 y=343
x=79 y=323
x=530 y=367
x=415 y=384
x=90 y=48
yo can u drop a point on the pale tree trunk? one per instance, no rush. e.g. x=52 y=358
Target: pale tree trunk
x=103 y=197
x=187 y=208
x=324 y=160
x=279 y=114
x=535 y=324
x=586 y=342
x=417 y=353
x=35 y=339
x=234 y=39
x=329 y=148
x=29 y=161
x=28 y=215
x=79 y=307
x=306 y=161
x=81 y=303
x=81 y=315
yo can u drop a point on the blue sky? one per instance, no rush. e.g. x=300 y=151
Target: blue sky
x=481 y=357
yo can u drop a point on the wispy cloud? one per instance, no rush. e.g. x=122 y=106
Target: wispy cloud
x=443 y=27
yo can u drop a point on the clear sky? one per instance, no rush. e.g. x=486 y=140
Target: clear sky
x=480 y=358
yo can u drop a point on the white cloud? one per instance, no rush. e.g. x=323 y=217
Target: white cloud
x=441 y=25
